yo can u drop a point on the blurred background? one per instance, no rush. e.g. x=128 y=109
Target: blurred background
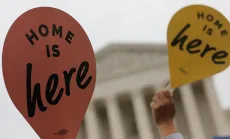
x=129 y=40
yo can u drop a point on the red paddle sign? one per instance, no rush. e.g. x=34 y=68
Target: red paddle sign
x=49 y=70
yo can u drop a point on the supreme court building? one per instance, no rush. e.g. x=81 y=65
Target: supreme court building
x=128 y=75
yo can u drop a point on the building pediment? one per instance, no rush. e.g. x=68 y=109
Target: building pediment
x=121 y=59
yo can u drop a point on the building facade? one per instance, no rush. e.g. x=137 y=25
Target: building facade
x=128 y=75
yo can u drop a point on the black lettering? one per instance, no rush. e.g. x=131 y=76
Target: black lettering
x=193 y=44
x=181 y=40
x=31 y=104
x=67 y=77
x=217 y=23
x=50 y=92
x=69 y=37
x=209 y=31
x=219 y=55
x=47 y=51
x=207 y=49
x=224 y=33
x=56 y=52
x=57 y=31
x=204 y=27
x=210 y=18
x=44 y=34
x=82 y=71
x=30 y=38
x=200 y=15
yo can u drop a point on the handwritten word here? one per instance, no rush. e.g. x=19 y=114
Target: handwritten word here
x=194 y=46
x=34 y=91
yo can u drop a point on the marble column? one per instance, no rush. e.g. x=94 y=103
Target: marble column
x=219 y=119
x=91 y=123
x=115 y=119
x=192 y=114
x=141 y=115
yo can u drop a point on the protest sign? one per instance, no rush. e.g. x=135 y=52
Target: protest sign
x=49 y=71
x=198 y=44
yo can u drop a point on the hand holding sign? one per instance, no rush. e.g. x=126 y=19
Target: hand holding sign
x=50 y=71
x=198 y=44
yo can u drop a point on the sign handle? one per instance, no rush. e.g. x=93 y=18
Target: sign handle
x=170 y=89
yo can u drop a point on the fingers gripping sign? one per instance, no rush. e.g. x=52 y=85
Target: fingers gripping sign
x=198 y=47
x=163 y=107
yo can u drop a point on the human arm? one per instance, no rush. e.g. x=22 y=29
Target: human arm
x=163 y=110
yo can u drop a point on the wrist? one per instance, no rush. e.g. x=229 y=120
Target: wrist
x=167 y=129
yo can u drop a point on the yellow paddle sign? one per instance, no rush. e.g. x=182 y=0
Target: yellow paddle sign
x=198 y=44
